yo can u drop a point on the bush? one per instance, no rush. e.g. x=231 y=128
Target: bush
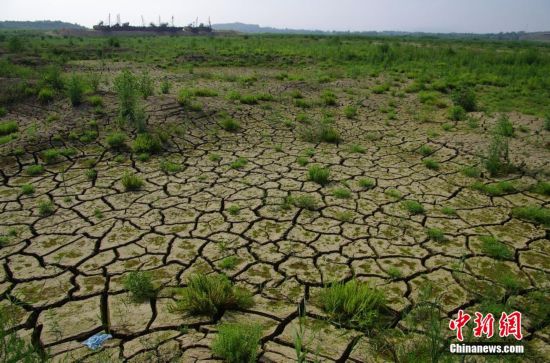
x=126 y=86
x=8 y=127
x=534 y=214
x=211 y=295
x=237 y=343
x=497 y=158
x=146 y=143
x=145 y=85
x=318 y=174
x=131 y=182
x=116 y=139
x=494 y=248
x=352 y=303
x=465 y=98
x=413 y=207
x=33 y=170
x=457 y=113
x=45 y=95
x=140 y=285
x=75 y=90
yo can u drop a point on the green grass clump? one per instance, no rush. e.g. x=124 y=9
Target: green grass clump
x=471 y=172
x=45 y=95
x=394 y=193
x=305 y=202
x=233 y=209
x=95 y=101
x=45 y=208
x=146 y=143
x=165 y=87
x=237 y=343
x=13 y=347
x=536 y=214
x=457 y=113
x=546 y=124
x=145 y=85
x=229 y=124
x=91 y=174
x=302 y=161
x=394 y=273
x=140 y=285
x=436 y=234
x=239 y=163
x=131 y=182
x=413 y=207
x=504 y=126
x=496 y=249
x=126 y=86
x=465 y=98
x=51 y=155
x=318 y=174
x=229 y=263
x=27 y=189
x=34 y=170
x=431 y=164
x=3 y=111
x=8 y=127
x=204 y=92
x=116 y=140
x=211 y=295
x=366 y=183
x=75 y=89
x=541 y=187
x=354 y=148
x=448 y=211
x=328 y=98
x=497 y=159
x=495 y=189
x=341 y=193
x=350 y=112
x=426 y=150
x=353 y=303
x=321 y=131
x=170 y=167
x=381 y=88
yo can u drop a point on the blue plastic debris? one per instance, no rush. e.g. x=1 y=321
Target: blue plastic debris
x=95 y=341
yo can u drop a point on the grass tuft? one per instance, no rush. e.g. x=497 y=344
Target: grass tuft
x=237 y=343
x=140 y=285
x=131 y=182
x=318 y=174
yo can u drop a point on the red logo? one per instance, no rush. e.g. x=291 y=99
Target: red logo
x=508 y=324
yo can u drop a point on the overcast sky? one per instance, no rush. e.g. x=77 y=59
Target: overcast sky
x=478 y=16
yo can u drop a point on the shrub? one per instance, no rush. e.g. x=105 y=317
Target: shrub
x=145 y=85
x=75 y=89
x=34 y=170
x=116 y=139
x=140 y=285
x=51 y=155
x=8 y=127
x=126 y=86
x=366 y=183
x=45 y=208
x=352 y=303
x=466 y=98
x=27 y=189
x=211 y=295
x=318 y=174
x=237 y=343
x=165 y=87
x=341 y=193
x=494 y=248
x=534 y=214
x=229 y=124
x=457 y=113
x=146 y=143
x=131 y=182
x=497 y=158
x=436 y=234
x=431 y=164
x=413 y=207
x=45 y=95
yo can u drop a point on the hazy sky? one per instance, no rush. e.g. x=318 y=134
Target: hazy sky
x=479 y=16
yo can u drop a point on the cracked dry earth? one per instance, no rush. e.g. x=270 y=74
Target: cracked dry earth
x=62 y=274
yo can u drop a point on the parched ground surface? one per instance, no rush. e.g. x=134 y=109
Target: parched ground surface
x=62 y=274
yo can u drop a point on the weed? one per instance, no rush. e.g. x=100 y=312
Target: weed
x=131 y=182
x=140 y=285
x=413 y=207
x=352 y=303
x=328 y=98
x=3 y=111
x=341 y=193
x=344 y=216
x=504 y=127
x=45 y=95
x=13 y=348
x=91 y=174
x=546 y=124
x=366 y=183
x=436 y=234
x=457 y=113
x=143 y=157
x=170 y=167
x=541 y=188
x=497 y=159
x=229 y=124
x=211 y=295
x=51 y=155
x=229 y=263
x=394 y=273
x=237 y=343
x=165 y=87
x=350 y=112
x=305 y=202
x=302 y=161
x=494 y=248
x=34 y=170
x=239 y=163
x=465 y=98
x=116 y=140
x=448 y=211
x=540 y=215
x=147 y=143
x=233 y=210
x=95 y=101
x=127 y=87
x=98 y=214
x=471 y=172
x=27 y=189
x=75 y=89
x=8 y=127
x=381 y=88
x=447 y=126
x=46 y=208
x=318 y=174
x=431 y=164
x=354 y=148
x=394 y=193
x=426 y=150
x=214 y=157
x=495 y=189
x=145 y=85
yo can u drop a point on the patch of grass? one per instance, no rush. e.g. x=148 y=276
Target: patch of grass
x=496 y=249
x=350 y=112
x=98 y=213
x=381 y=88
x=214 y=157
x=239 y=163
x=237 y=343
x=229 y=263
x=91 y=174
x=504 y=126
x=3 y=111
x=328 y=98
x=353 y=303
x=413 y=207
x=322 y=131
x=465 y=98
x=394 y=193
x=495 y=189
x=344 y=216
x=146 y=143
x=426 y=150
x=302 y=161
x=448 y=211
x=354 y=148
x=46 y=208
x=431 y=164
x=535 y=214
x=318 y=174
x=394 y=273
x=126 y=86
x=8 y=127
x=170 y=167
x=211 y=295
x=366 y=183
x=447 y=126
x=145 y=85
x=143 y=157
x=45 y=95
x=541 y=187
x=34 y=170
x=116 y=140
x=204 y=92
x=341 y=193
x=436 y=234
x=14 y=348
x=457 y=113
x=51 y=155
x=497 y=159
x=229 y=124
x=140 y=285
x=131 y=182
x=165 y=87
x=27 y=189
x=546 y=123
x=75 y=89
x=233 y=209
x=305 y=202
x=302 y=103
x=471 y=172
x=95 y=101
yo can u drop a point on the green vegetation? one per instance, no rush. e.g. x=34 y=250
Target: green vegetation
x=34 y=170
x=237 y=343
x=51 y=155
x=8 y=127
x=350 y=112
x=46 y=208
x=413 y=207
x=353 y=303
x=504 y=126
x=358 y=149
x=13 y=347
x=75 y=89
x=541 y=187
x=366 y=183
x=145 y=85
x=431 y=164
x=471 y=172
x=495 y=189
x=27 y=189
x=127 y=87
x=229 y=124
x=465 y=98
x=448 y=211
x=131 y=182
x=239 y=163
x=497 y=159
x=211 y=295
x=540 y=215
x=457 y=113
x=140 y=285
x=494 y=248
x=426 y=150
x=436 y=234
x=147 y=143
x=318 y=174
x=304 y=201
x=229 y=263
x=116 y=140
x=170 y=167
x=233 y=209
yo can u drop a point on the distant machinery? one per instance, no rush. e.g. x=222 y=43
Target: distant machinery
x=195 y=27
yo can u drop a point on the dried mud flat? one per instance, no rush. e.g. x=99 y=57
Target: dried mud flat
x=61 y=275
